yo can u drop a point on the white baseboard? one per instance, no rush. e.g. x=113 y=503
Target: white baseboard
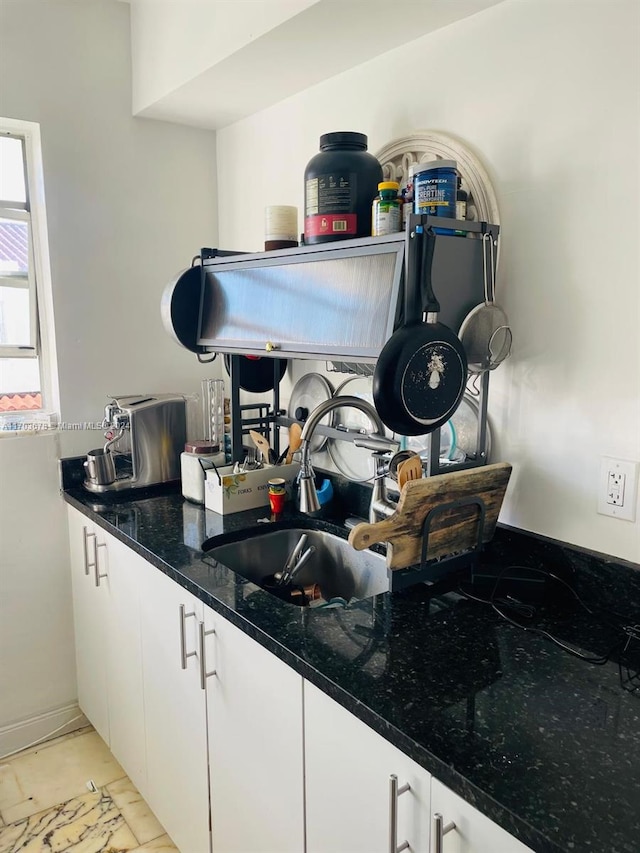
x=40 y=728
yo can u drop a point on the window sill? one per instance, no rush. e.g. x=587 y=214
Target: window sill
x=28 y=423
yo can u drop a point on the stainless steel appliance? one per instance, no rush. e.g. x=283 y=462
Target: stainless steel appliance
x=153 y=431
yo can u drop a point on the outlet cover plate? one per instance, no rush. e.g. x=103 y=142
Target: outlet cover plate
x=625 y=474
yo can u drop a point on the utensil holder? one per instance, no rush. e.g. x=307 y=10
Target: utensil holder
x=246 y=490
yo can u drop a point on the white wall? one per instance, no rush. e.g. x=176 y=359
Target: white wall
x=173 y=41
x=547 y=93
x=209 y=63
x=37 y=666
x=129 y=203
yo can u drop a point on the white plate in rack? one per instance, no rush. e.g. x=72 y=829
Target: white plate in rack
x=353 y=462
x=308 y=392
x=457 y=436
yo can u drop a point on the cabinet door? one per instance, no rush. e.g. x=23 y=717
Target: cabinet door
x=90 y=619
x=473 y=833
x=348 y=768
x=176 y=788
x=255 y=745
x=124 y=658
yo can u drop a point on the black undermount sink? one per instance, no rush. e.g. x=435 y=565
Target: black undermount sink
x=335 y=573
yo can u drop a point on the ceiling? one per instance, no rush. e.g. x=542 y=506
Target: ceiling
x=214 y=75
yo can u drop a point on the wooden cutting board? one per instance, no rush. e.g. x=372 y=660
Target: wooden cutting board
x=452 y=531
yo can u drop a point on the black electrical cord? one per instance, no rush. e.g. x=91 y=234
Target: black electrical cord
x=529 y=612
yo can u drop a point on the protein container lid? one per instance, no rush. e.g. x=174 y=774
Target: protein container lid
x=344 y=137
x=435 y=164
x=201 y=447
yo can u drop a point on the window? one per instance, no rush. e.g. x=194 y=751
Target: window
x=28 y=385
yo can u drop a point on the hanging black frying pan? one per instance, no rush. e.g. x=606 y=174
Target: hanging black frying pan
x=179 y=308
x=256 y=373
x=420 y=376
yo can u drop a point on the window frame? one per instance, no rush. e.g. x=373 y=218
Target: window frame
x=22 y=282
x=39 y=274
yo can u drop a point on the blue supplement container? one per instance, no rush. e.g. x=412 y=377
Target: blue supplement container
x=435 y=185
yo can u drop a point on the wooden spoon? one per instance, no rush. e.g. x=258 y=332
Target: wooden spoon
x=410 y=469
x=295 y=440
x=263 y=446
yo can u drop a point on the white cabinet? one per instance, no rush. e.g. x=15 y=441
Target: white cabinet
x=152 y=715
x=349 y=804
x=255 y=744
x=90 y=621
x=348 y=770
x=228 y=745
x=124 y=658
x=105 y=575
x=473 y=833
x=175 y=711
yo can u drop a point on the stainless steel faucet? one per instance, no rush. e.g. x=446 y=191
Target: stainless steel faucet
x=380 y=506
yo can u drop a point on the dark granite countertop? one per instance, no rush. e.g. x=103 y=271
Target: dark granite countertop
x=545 y=744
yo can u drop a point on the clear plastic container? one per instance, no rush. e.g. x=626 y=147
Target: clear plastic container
x=213 y=411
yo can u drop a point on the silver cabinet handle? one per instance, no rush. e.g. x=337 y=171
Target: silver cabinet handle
x=183 y=637
x=203 y=657
x=96 y=567
x=86 y=536
x=394 y=793
x=439 y=832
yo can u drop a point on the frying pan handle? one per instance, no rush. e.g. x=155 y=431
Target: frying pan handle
x=412 y=288
x=430 y=304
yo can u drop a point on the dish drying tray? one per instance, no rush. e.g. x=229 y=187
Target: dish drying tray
x=266 y=418
x=440 y=525
x=458 y=264
x=353 y=368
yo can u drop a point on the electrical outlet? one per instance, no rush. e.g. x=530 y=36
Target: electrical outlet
x=618 y=488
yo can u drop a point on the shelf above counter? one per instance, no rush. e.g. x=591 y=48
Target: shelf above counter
x=310 y=302
x=333 y=301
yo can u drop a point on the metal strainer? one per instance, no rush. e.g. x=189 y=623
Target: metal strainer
x=485 y=332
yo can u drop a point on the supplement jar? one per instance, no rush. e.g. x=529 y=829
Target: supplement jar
x=340 y=184
x=435 y=186
x=280 y=227
x=386 y=216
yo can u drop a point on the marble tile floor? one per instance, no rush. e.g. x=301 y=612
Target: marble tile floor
x=46 y=803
